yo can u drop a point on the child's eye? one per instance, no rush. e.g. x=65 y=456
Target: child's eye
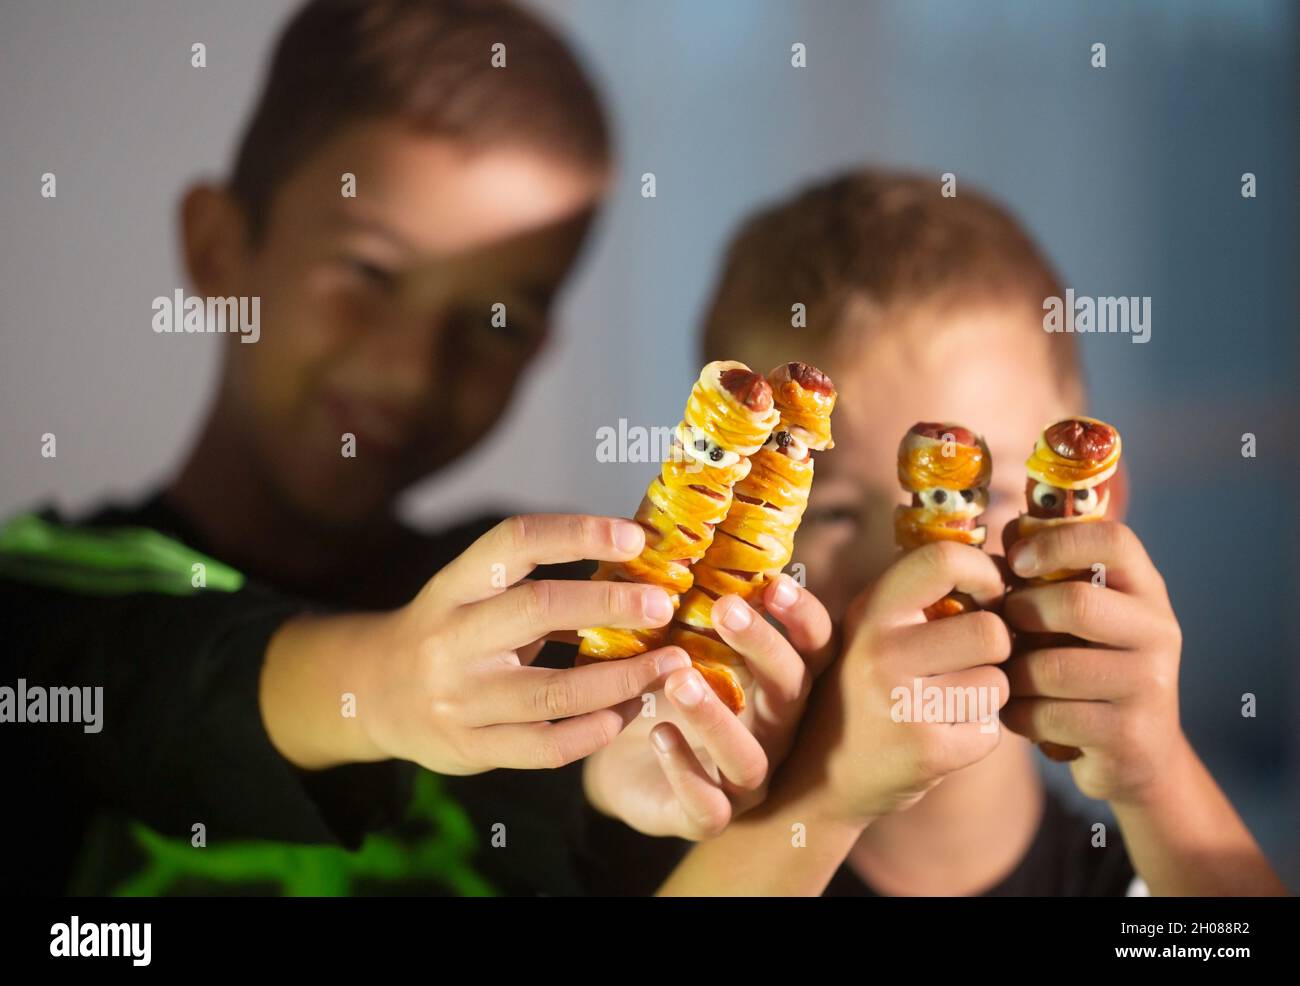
x=485 y=326
x=1048 y=497
x=371 y=273
x=831 y=515
x=1085 y=501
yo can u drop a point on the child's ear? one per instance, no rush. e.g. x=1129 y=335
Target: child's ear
x=1118 y=493
x=213 y=240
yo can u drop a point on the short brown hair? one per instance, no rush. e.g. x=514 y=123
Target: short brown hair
x=887 y=239
x=427 y=62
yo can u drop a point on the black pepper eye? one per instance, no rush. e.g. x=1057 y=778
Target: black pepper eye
x=701 y=444
x=968 y=495
x=715 y=453
x=1048 y=500
x=940 y=496
x=783 y=439
x=1081 y=494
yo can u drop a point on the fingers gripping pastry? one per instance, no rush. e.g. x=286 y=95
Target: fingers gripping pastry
x=947 y=469
x=728 y=417
x=1069 y=471
x=756 y=539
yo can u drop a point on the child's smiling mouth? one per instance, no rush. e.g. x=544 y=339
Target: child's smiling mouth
x=378 y=428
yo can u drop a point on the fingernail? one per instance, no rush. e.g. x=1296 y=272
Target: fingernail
x=1025 y=560
x=690 y=692
x=785 y=594
x=659 y=737
x=627 y=536
x=670 y=661
x=737 y=616
x=657 y=606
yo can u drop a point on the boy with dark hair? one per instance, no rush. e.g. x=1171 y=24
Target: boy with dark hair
x=479 y=155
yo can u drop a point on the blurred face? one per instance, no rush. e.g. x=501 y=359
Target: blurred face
x=985 y=368
x=404 y=316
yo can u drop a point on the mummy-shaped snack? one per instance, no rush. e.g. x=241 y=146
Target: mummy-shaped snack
x=947 y=469
x=1069 y=471
x=1069 y=477
x=756 y=539
x=728 y=418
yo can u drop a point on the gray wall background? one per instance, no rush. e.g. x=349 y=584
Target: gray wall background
x=1129 y=175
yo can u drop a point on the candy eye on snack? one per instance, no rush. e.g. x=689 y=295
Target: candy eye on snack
x=947 y=469
x=728 y=417
x=1069 y=475
x=756 y=538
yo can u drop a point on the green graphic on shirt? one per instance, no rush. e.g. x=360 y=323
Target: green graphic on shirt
x=440 y=856
x=105 y=561
x=124 y=560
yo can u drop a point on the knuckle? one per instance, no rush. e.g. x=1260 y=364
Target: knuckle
x=1162 y=680
x=998 y=679
x=444 y=709
x=550 y=753
x=942 y=556
x=633 y=676
x=1173 y=636
x=713 y=716
x=518 y=532
x=591 y=532
x=459 y=747
x=710 y=822
x=992 y=638
x=986 y=742
x=716 y=822
x=1120 y=538
x=930 y=760
x=1052 y=669
x=1067 y=540
x=1052 y=716
x=616 y=597
x=1129 y=734
x=751 y=773
x=1080 y=603
x=535 y=602
x=931 y=754
x=556 y=698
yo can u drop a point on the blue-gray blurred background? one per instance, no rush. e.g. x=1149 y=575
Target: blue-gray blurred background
x=1129 y=175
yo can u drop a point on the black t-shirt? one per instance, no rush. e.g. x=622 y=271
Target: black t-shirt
x=182 y=740
x=1061 y=862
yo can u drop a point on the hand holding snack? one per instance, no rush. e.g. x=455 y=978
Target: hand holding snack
x=688 y=770
x=694 y=765
x=874 y=736
x=1069 y=476
x=1110 y=688
x=445 y=681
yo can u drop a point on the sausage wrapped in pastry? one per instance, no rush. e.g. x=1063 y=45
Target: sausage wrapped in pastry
x=947 y=469
x=728 y=417
x=1069 y=471
x=756 y=539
